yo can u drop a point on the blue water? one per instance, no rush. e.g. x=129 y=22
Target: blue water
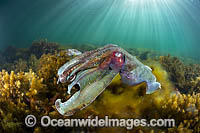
x=168 y=26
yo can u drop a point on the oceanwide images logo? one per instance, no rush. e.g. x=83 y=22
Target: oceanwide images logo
x=46 y=121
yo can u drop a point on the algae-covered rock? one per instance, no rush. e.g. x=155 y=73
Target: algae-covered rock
x=184 y=77
x=12 y=53
x=41 y=47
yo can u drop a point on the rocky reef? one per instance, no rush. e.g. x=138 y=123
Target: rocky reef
x=186 y=77
x=22 y=59
x=38 y=48
x=28 y=86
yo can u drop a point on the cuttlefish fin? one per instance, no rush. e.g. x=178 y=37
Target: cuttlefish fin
x=152 y=87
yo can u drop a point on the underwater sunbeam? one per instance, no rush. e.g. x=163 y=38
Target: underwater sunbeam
x=168 y=26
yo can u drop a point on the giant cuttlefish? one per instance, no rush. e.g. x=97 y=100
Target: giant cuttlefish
x=94 y=70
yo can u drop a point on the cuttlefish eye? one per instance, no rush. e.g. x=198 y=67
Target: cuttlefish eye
x=118 y=58
x=71 y=78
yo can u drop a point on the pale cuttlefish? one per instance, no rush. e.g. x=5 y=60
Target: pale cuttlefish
x=94 y=70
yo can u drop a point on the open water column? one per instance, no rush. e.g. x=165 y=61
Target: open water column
x=168 y=26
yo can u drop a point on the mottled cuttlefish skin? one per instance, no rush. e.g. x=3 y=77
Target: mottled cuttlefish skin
x=94 y=70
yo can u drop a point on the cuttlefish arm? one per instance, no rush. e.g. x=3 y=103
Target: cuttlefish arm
x=96 y=83
x=94 y=70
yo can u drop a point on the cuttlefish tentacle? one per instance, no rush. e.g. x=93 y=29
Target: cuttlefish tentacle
x=94 y=70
